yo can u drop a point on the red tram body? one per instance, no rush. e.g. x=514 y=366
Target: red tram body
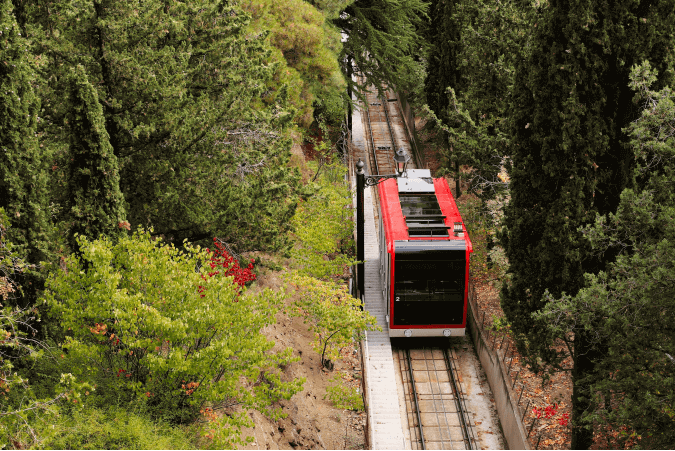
x=425 y=254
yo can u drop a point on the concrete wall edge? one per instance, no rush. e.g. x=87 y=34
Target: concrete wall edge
x=497 y=374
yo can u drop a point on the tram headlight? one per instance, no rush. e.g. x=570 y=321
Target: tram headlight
x=408 y=333
x=447 y=332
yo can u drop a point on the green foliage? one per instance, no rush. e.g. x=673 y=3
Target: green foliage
x=480 y=227
x=499 y=324
x=382 y=43
x=343 y=396
x=23 y=178
x=94 y=197
x=109 y=428
x=147 y=323
x=16 y=330
x=333 y=315
x=474 y=47
x=323 y=224
x=629 y=308
x=200 y=153
x=443 y=71
x=570 y=102
x=305 y=50
x=20 y=408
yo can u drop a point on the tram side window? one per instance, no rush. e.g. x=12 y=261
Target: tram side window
x=420 y=280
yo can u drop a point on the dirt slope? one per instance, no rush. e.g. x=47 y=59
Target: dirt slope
x=312 y=422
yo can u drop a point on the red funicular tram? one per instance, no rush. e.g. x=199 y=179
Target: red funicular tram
x=425 y=253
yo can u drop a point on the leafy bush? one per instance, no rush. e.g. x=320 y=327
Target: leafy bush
x=483 y=224
x=151 y=322
x=323 y=228
x=344 y=396
x=112 y=428
x=20 y=406
x=333 y=314
x=221 y=260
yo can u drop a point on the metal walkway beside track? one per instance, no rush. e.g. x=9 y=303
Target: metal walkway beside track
x=384 y=416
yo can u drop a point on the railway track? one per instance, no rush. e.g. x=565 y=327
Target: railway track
x=436 y=409
x=418 y=391
x=382 y=118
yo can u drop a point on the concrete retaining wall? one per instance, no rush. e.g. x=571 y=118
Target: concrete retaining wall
x=500 y=382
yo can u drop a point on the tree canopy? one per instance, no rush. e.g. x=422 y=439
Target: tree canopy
x=305 y=48
x=180 y=87
x=473 y=50
x=626 y=309
x=570 y=161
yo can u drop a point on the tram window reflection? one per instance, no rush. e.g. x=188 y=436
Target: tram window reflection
x=429 y=280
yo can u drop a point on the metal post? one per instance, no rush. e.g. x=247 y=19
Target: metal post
x=526 y=407
x=515 y=379
x=349 y=93
x=360 y=224
x=537 y=445
x=532 y=426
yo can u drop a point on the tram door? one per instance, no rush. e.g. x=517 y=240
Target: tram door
x=385 y=269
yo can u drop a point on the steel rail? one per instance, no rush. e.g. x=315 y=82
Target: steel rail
x=415 y=397
x=379 y=101
x=385 y=106
x=372 y=140
x=462 y=411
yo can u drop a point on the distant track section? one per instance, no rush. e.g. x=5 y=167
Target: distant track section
x=382 y=121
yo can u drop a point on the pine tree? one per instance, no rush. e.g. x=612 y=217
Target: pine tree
x=383 y=43
x=570 y=160
x=23 y=178
x=95 y=200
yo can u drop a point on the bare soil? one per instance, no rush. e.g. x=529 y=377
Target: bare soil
x=312 y=422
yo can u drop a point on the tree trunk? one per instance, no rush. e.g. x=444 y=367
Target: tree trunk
x=458 y=189
x=582 y=435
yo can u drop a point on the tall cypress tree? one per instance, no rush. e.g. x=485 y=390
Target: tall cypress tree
x=95 y=200
x=570 y=160
x=629 y=308
x=23 y=177
x=443 y=70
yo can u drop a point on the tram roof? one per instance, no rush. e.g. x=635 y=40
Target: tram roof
x=423 y=188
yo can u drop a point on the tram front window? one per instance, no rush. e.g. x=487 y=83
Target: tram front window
x=429 y=289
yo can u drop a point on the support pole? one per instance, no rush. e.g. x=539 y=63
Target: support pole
x=349 y=93
x=360 y=228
